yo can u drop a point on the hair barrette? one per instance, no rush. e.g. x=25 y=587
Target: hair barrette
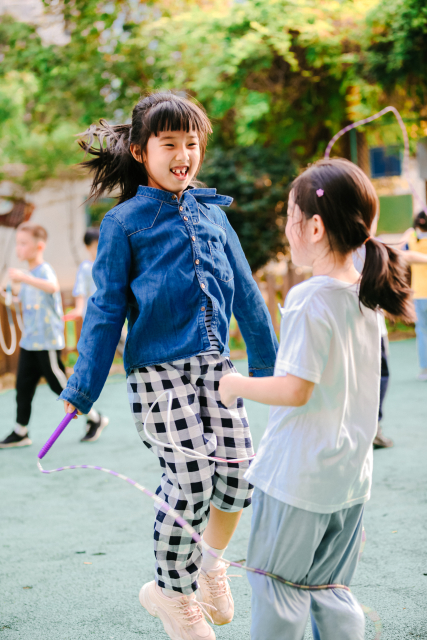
x=319 y=193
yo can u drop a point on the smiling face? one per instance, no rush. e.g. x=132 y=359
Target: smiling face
x=171 y=159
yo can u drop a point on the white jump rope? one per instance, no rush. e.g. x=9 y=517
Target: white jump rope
x=185 y=451
x=13 y=341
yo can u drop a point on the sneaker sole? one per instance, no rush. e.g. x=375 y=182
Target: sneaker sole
x=24 y=443
x=104 y=423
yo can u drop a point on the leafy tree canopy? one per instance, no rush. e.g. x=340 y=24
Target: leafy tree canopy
x=395 y=44
x=267 y=72
x=278 y=77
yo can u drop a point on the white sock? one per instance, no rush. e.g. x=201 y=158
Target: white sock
x=20 y=430
x=93 y=415
x=171 y=594
x=209 y=563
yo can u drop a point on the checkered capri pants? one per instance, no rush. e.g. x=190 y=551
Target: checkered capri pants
x=200 y=422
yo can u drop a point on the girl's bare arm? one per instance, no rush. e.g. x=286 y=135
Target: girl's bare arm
x=286 y=391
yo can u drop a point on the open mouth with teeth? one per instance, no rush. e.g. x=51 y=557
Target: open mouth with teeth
x=180 y=172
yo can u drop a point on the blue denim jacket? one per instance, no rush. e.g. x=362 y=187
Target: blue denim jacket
x=159 y=259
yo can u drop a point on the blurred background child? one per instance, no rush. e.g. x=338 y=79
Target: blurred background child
x=43 y=335
x=84 y=287
x=415 y=240
x=411 y=257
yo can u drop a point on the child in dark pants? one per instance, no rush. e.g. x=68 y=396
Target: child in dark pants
x=43 y=335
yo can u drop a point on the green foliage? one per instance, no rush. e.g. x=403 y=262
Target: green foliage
x=257 y=179
x=271 y=72
x=276 y=76
x=396 y=45
x=50 y=93
x=95 y=211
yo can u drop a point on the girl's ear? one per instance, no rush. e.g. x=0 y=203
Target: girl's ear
x=317 y=228
x=135 y=150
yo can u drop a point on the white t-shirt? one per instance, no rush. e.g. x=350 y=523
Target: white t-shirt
x=319 y=457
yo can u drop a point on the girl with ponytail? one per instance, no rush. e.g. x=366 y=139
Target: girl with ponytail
x=169 y=262
x=313 y=471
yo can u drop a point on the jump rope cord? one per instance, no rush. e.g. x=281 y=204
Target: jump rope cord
x=190 y=453
x=375 y=116
x=162 y=504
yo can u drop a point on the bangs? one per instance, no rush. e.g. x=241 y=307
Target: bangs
x=178 y=115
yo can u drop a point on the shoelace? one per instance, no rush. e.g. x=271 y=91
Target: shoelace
x=218 y=585
x=193 y=611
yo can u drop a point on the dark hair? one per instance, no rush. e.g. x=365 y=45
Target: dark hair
x=420 y=221
x=347 y=206
x=113 y=165
x=91 y=235
x=37 y=231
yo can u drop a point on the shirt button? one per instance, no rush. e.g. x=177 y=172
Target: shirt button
x=251 y=375
x=197 y=261
x=185 y=218
x=202 y=285
x=181 y=208
x=202 y=308
x=193 y=238
x=173 y=197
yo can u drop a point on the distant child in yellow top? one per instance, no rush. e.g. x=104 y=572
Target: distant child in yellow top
x=416 y=240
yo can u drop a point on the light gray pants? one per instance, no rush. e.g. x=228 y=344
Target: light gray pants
x=305 y=548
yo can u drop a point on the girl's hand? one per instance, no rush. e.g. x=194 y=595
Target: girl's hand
x=228 y=388
x=69 y=408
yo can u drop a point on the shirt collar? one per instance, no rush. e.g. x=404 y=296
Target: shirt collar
x=206 y=196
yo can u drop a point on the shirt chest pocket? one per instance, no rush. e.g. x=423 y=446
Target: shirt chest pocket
x=221 y=267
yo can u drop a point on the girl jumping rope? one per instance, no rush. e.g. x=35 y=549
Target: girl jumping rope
x=313 y=471
x=170 y=262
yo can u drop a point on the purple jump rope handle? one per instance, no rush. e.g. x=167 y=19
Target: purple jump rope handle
x=55 y=435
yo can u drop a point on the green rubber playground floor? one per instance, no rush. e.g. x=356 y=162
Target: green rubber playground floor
x=75 y=547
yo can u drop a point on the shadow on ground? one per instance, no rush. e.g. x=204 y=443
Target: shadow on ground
x=75 y=547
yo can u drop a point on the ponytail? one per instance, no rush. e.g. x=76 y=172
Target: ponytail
x=341 y=194
x=384 y=281
x=113 y=166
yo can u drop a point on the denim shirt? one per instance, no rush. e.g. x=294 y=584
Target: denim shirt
x=159 y=260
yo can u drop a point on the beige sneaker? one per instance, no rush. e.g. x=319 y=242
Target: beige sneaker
x=215 y=591
x=182 y=617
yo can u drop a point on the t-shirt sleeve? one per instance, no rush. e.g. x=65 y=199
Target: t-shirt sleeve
x=305 y=339
x=80 y=288
x=47 y=273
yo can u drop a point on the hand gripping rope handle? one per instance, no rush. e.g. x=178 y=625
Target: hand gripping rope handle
x=164 y=506
x=55 y=435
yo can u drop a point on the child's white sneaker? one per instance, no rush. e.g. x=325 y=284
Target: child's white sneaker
x=182 y=617
x=215 y=591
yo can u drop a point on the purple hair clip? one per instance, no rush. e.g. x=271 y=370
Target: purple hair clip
x=319 y=193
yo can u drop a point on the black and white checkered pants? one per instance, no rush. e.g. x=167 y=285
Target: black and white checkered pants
x=199 y=421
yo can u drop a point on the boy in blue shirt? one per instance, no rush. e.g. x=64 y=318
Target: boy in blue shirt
x=43 y=335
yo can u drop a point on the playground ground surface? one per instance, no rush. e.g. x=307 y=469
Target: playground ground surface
x=75 y=547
